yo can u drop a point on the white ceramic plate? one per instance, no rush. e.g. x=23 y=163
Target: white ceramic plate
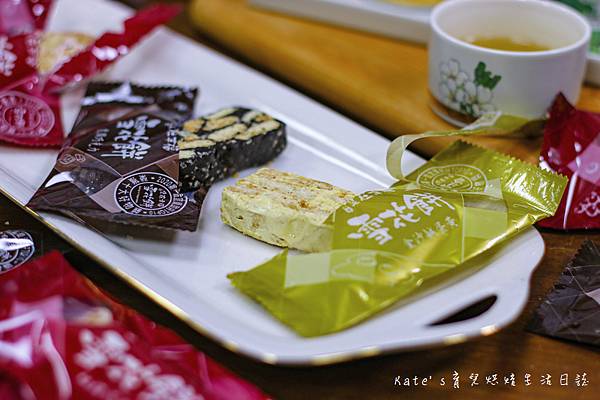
x=377 y=16
x=187 y=272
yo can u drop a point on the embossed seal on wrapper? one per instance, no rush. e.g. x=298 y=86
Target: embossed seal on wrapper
x=458 y=177
x=149 y=194
x=16 y=248
x=24 y=115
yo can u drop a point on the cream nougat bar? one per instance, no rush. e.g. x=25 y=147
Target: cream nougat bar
x=283 y=209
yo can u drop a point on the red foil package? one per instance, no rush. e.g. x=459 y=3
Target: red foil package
x=23 y=16
x=572 y=147
x=62 y=338
x=30 y=101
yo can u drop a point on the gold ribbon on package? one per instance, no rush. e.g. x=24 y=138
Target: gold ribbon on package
x=392 y=243
x=489 y=124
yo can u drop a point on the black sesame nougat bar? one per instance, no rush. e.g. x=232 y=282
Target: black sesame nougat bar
x=220 y=144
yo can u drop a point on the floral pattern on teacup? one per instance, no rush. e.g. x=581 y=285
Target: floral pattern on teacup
x=460 y=92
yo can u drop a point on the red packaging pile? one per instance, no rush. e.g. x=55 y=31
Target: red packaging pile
x=29 y=101
x=62 y=338
x=23 y=16
x=572 y=148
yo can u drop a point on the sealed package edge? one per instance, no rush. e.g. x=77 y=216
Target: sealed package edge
x=388 y=244
x=572 y=147
x=121 y=161
x=571 y=310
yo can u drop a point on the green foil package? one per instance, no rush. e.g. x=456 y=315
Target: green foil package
x=391 y=244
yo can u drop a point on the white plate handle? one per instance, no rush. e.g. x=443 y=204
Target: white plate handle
x=508 y=298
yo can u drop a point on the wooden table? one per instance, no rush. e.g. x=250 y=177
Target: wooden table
x=377 y=81
x=512 y=350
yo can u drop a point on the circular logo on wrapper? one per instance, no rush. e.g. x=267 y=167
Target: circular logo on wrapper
x=149 y=194
x=455 y=178
x=23 y=115
x=16 y=247
x=69 y=158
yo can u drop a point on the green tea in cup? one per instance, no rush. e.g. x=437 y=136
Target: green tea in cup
x=505 y=43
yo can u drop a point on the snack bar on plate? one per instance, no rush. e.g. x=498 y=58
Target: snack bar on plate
x=283 y=209
x=218 y=145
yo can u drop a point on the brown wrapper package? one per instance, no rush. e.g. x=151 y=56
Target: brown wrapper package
x=572 y=309
x=121 y=162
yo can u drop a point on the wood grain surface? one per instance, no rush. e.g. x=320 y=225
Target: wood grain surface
x=321 y=61
x=377 y=81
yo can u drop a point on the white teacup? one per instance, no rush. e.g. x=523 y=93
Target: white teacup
x=473 y=80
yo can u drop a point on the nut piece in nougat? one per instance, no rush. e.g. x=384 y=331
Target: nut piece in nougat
x=58 y=47
x=283 y=209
